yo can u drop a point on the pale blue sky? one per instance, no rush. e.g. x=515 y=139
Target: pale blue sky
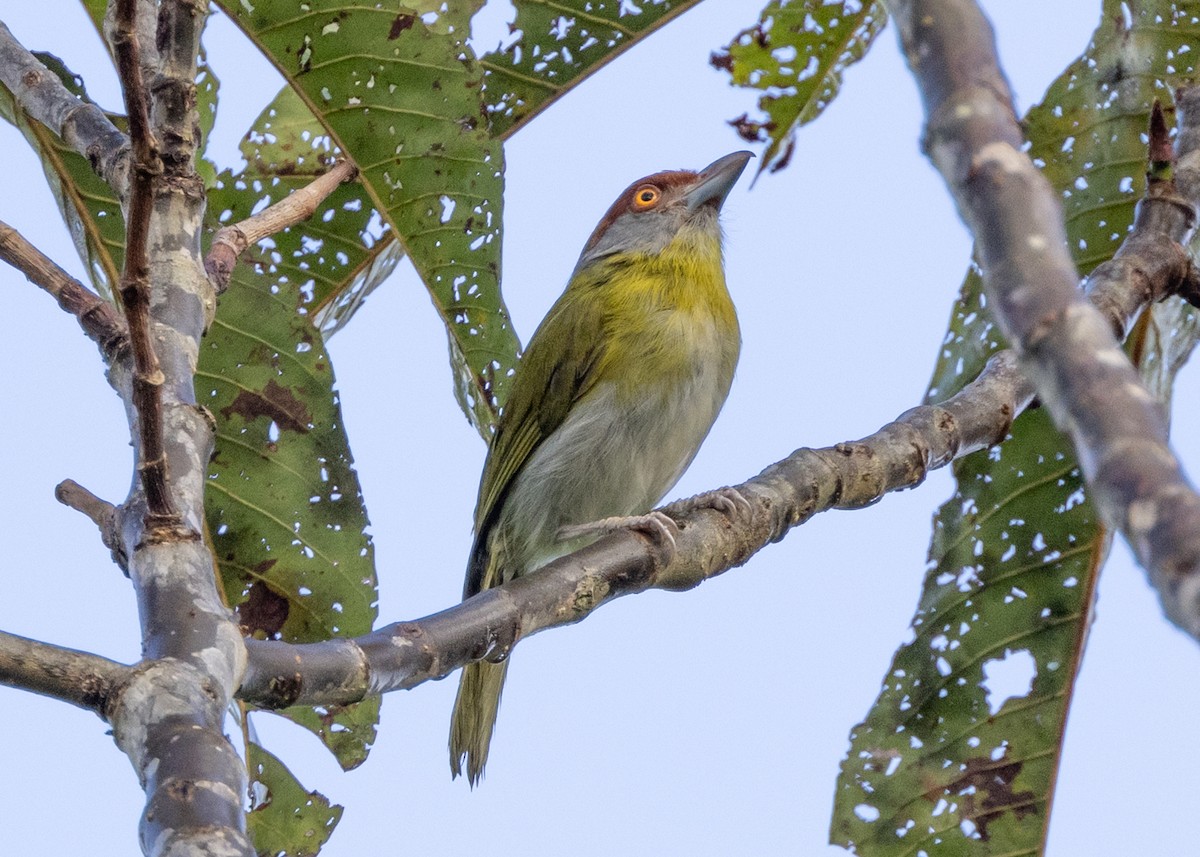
x=704 y=723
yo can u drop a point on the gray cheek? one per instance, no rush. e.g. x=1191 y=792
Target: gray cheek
x=644 y=233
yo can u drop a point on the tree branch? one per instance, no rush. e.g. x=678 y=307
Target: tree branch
x=1153 y=256
x=103 y=514
x=135 y=278
x=1150 y=265
x=96 y=316
x=80 y=678
x=174 y=87
x=80 y=125
x=785 y=495
x=231 y=241
x=1089 y=387
x=168 y=717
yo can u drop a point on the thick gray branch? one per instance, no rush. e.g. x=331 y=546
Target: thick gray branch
x=1068 y=351
x=846 y=476
x=1150 y=265
x=169 y=716
x=82 y=126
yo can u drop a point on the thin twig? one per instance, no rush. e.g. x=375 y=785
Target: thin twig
x=1153 y=255
x=103 y=514
x=95 y=315
x=135 y=278
x=80 y=678
x=231 y=241
x=1082 y=377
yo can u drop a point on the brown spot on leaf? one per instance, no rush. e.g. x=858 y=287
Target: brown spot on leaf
x=276 y=403
x=264 y=611
x=400 y=23
x=985 y=791
x=721 y=60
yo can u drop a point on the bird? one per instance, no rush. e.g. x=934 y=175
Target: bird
x=613 y=396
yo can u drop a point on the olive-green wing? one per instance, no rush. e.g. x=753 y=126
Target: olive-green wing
x=557 y=369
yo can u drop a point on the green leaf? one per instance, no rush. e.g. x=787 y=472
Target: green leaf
x=347 y=730
x=556 y=45
x=284 y=507
x=796 y=54
x=344 y=250
x=95 y=10
x=952 y=760
x=400 y=93
x=285 y=820
x=89 y=207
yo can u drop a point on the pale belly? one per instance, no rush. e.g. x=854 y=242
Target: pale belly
x=613 y=455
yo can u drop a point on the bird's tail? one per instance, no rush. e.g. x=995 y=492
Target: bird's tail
x=474 y=717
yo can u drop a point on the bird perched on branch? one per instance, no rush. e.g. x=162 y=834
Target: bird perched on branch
x=616 y=391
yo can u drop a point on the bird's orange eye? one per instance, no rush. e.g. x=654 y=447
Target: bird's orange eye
x=645 y=197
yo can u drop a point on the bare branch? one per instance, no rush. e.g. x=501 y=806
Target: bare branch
x=785 y=495
x=146 y=20
x=231 y=241
x=168 y=717
x=174 y=87
x=846 y=476
x=135 y=278
x=95 y=315
x=1153 y=260
x=1082 y=376
x=82 y=126
x=80 y=678
x=103 y=514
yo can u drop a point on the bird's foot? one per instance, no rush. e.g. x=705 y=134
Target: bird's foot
x=657 y=525
x=728 y=501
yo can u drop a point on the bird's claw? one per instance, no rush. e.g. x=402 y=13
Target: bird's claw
x=728 y=501
x=659 y=526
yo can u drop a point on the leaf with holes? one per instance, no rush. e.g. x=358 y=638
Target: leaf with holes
x=796 y=54
x=344 y=251
x=285 y=820
x=554 y=46
x=284 y=507
x=400 y=93
x=959 y=754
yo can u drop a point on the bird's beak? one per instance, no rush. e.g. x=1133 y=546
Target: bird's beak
x=716 y=180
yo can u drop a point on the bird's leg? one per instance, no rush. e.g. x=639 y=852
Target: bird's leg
x=657 y=525
x=728 y=501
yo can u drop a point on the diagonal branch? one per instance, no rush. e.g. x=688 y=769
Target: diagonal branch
x=785 y=495
x=95 y=315
x=1091 y=390
x=1150 y=265
x=231 y=241
x=80 y=678
x=80 y=125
